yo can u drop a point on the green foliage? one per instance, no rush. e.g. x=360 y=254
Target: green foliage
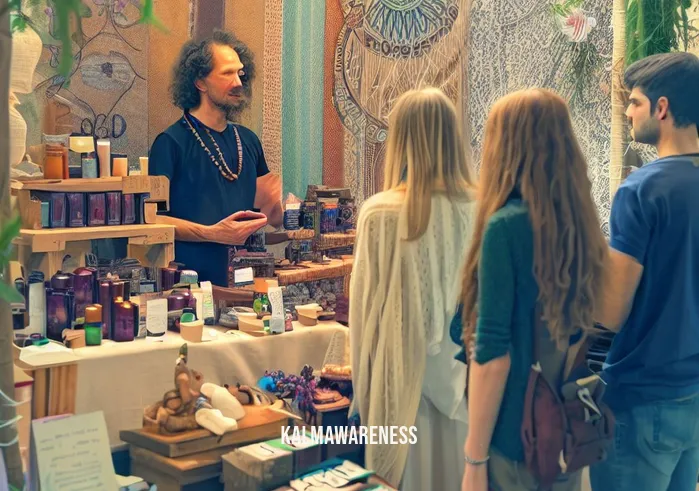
x=657 y=26
x=582 y=74
x=148 y=16
x=585 y=59
x=565 y=7
x=9 y=231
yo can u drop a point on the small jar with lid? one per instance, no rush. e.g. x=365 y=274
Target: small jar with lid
x=56 y=162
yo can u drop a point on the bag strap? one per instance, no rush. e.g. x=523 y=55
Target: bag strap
x=555 y=365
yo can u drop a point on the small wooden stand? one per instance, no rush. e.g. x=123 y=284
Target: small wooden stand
x=198 y=472
x=54 y=386
x=158 y=187
x=40 y=249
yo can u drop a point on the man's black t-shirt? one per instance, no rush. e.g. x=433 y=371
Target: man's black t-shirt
x=198 y=191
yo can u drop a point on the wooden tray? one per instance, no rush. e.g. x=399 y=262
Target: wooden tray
x=260 y=423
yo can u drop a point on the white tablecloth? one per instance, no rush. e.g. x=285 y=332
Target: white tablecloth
x=121 y=379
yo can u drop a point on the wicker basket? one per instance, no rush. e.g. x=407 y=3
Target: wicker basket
x=336 y=240
x=301 y=234
x=306 y=272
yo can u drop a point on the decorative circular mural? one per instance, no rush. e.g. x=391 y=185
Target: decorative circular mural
x=408 y=28
x=385 y=48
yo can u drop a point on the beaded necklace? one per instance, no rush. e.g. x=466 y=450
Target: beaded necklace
x=221 y=165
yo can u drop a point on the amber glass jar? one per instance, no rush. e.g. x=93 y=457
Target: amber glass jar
x=53 y=162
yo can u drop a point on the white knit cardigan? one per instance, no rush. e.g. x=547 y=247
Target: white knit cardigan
x=403 y=296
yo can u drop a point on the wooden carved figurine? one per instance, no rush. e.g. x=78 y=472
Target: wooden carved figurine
x=193 y=404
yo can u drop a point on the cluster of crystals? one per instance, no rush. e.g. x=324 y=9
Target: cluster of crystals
x=302 y=387
x=323 y=292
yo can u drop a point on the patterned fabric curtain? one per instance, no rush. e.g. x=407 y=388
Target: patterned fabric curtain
x=302 y=95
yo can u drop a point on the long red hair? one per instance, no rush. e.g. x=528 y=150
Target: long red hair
x=530 y=147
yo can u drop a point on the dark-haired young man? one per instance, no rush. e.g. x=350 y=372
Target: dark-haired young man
x=217 y=169
x=652 y=293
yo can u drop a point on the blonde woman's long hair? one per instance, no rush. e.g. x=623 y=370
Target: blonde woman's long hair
x=426 y=153
x=530 y=147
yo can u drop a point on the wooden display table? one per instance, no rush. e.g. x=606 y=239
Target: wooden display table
x=121 y=379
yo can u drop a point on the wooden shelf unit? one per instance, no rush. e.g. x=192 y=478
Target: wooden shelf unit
x=30 y=209
x=44 y=250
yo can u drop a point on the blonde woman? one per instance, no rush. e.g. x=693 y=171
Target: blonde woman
x=537 y=246
x=411 y=243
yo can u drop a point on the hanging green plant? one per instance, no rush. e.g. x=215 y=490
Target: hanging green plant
x=564 y=8
x=575 y=26
x=63 y=11
x=8 y=231
x=654 y=26
x=581 y=76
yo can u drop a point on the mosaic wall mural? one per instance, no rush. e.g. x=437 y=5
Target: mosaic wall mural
x=516 y=44
x=106 y=93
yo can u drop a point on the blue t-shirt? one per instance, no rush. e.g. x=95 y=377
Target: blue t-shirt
x=655 y=219
x=198 y=191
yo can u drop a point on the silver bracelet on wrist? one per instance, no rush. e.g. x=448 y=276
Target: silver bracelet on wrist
x=470 y=461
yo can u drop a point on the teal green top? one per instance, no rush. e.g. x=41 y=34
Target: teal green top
x=507 y=293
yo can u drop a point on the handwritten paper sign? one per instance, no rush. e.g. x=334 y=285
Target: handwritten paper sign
x=72 y=454
x=156 y=316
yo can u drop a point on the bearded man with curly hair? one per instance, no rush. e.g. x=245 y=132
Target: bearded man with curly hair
x=217 y=169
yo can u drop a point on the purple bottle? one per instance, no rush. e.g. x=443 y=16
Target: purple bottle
x=176 y=301
x=167 y=278
x=190 y=300
x=58 y=313
x=125 y=316
x=105 y=300
x=83 y=283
